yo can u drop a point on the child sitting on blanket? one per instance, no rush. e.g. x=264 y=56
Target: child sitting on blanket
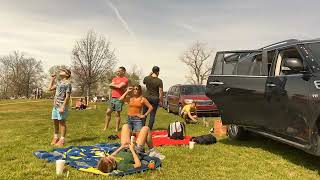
x=128 y=155
x=135 y=107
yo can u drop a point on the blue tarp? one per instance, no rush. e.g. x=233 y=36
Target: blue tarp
x=86 y=158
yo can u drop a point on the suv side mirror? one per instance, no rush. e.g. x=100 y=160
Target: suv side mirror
x=292 y=65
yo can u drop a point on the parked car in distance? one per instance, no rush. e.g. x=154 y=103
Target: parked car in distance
x=272 y=91
x=180 y=95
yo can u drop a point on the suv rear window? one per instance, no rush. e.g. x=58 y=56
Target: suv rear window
x=193 y=90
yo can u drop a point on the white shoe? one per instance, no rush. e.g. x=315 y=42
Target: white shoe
x=156 y=154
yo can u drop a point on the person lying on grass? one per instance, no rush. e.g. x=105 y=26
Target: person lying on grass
x=129 y=154
x=189 y=113
x=135 y=108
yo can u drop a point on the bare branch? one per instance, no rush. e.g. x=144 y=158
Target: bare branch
x=196 y=58
x=92 y=58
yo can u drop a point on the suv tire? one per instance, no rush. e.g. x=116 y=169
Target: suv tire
x=236 y=132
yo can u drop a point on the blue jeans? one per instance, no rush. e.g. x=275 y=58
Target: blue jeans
x=135 y=123
x=155 y=103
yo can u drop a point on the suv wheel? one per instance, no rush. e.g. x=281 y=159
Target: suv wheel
x=236 y=132
x=316 y=141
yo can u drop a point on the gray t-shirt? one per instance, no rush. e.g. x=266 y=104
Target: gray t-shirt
x=153 y=84
x=62 y=88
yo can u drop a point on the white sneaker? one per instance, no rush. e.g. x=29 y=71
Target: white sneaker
x=154 y=153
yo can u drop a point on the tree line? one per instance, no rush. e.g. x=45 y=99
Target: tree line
x=93 y=64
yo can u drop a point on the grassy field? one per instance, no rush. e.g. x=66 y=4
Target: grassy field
x=26 y=127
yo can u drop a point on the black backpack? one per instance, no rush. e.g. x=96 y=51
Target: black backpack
x=176 y=130
x=204 y=139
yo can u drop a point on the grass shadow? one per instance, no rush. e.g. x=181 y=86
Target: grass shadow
x=82 y=139
x=287 y=152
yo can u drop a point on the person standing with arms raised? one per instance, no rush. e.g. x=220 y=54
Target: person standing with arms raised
x=154 y=93
x=118 y=87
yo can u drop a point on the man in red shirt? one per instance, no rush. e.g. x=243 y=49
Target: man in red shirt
x=118 y=86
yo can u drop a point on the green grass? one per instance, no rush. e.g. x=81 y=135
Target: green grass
x=26 y=127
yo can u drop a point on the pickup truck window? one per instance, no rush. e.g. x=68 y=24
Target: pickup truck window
x=280 y=69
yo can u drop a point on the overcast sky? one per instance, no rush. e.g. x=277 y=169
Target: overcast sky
x=150 y=32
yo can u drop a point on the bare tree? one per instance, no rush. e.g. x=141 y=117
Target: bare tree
x=21 y=74
x=197 y=58
x=134 y=75
x=4 y=85
x=92 y=59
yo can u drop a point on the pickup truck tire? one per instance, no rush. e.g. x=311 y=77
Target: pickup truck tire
x=236 y=132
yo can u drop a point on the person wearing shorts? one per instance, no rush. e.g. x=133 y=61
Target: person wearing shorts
x=135 y=107
x=59 y=113
x=118 y=86
x=129 y=154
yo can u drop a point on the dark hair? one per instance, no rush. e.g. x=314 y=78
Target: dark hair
x=123 y=68
x=155 y=69
x=139 y=88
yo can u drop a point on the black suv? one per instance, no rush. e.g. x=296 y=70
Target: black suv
x=272 y=91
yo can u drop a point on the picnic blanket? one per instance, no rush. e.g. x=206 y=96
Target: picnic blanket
x=160 y=138
x=86 y=158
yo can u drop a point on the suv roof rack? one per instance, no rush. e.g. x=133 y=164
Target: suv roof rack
x=281 y=43
x=241 y=51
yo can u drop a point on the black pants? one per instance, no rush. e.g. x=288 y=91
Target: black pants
x=155 y=103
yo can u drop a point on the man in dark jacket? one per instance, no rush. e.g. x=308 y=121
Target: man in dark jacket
x=154 y=93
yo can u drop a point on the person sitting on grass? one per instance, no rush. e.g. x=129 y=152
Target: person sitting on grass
x=189 y=113
x=129 y=154
x=63 y=90
x=135 y=108
x=82 y=105
x=78 y=104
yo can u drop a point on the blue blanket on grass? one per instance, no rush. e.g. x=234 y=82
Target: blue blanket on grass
x=86 y=158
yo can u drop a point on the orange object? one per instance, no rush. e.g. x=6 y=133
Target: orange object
x=219 y=129
x=151 y=165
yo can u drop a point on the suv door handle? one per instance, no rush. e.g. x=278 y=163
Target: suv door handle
x=216 y=83
x=271 y=85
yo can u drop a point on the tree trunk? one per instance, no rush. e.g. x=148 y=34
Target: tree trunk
x=89 y=90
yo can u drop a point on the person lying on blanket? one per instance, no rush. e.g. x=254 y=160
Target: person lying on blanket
x=135 y=107
x=129 y=155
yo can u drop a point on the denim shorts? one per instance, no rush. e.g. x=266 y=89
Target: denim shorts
x=135 y=123
x=139 y=149
x=56 y=115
